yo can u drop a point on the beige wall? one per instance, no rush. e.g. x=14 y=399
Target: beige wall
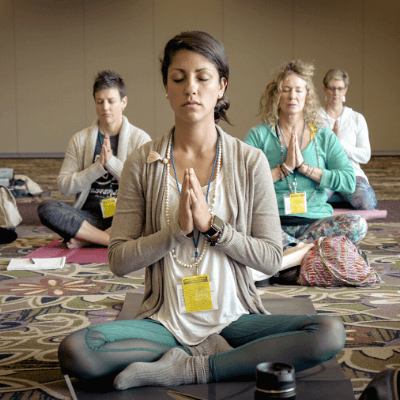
x=52 y=49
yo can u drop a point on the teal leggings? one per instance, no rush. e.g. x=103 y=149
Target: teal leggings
x=301 y=340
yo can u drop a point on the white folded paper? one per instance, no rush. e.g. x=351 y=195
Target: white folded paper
x=33 y=264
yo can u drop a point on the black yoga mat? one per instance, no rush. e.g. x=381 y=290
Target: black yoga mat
x=325 y=382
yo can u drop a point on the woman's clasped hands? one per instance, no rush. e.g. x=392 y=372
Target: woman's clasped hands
x=193 y=207
x=294 y=157
x=106 y=151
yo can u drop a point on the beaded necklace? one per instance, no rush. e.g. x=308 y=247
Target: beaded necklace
x=217 y=163
x=302 y=135
x=280 y=133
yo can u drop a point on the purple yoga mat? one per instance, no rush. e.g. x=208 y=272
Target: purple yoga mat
x=366 y=214
x=85 y=255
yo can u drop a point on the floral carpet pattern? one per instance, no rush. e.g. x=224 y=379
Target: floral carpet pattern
x=39 y=308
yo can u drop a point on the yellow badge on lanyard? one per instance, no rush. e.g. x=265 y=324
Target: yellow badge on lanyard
x=108 y=207
x=295 y=203
x=197 y=293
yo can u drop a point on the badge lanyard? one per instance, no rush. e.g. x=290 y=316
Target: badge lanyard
x=301 y=144
x=195 y=241
x=107 y=205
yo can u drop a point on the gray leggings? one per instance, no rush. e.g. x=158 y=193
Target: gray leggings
x=66 y=220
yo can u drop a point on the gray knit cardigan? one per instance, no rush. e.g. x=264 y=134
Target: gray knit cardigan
x=252 y=237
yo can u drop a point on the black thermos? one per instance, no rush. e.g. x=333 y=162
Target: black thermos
x=275 y=381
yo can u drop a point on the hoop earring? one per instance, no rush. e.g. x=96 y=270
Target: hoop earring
x=344 y=99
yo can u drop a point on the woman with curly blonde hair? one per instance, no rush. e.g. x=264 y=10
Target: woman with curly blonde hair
x=304 y=159
x=269 y=103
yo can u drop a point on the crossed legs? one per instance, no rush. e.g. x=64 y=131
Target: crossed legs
x=77 y=227
x=301 y=340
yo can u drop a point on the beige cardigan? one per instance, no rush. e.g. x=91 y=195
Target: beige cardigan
x=78 y=171
x=251 y=238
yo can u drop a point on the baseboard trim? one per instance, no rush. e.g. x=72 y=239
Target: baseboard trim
x=32 y=155
x=385 y=152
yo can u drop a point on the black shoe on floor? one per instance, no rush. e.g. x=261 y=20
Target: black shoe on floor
x=7 y=235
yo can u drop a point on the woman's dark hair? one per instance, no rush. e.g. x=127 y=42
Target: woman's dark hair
x=209 y=47
x=107 y=80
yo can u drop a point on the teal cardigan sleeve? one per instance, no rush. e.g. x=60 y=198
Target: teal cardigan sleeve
x=253 y=138
x=339 y=174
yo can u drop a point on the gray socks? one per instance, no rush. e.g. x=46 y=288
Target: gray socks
x=174 y=368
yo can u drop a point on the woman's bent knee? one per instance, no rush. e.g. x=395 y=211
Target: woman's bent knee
x=45 y=208
x=331 y=337
x=357 y=227
x=76 y=359
x=363 y=203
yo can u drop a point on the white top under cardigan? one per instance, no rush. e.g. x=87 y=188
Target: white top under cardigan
x=190 y=329
x=353 y=136
x=78 y=171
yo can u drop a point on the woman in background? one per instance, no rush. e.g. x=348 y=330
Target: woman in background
x=92 y=167
x=351 y=129
x=197 y=205
x=305 y=159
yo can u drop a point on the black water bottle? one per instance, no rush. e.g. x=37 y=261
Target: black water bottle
x=275 y=381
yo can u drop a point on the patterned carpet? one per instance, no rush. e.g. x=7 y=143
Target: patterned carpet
x=38 y=309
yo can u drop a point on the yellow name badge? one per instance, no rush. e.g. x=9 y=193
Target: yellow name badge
x=197 y=293
x=108 y=207
x=295 y=203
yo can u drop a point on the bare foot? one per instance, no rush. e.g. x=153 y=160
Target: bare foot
x=75 y=243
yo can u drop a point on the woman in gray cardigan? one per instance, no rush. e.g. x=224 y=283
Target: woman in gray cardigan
x=197 y=209
x=92 y=168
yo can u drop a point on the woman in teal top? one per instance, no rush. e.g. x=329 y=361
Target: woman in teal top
x=304 y=159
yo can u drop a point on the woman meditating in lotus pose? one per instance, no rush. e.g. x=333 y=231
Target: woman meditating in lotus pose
x=304 y=159
x=197 y=209
x=351 y=129
x=92 y=167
